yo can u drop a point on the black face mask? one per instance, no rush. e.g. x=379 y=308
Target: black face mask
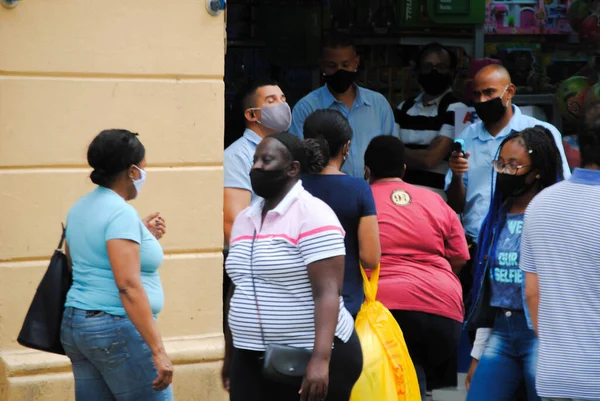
x=492 y=111
x=340 y=81
x=512 y=185
x=434 y=83
x=268 y=183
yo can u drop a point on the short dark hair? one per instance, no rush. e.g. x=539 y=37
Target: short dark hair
x=249 y=91
x=325 y=133
x=337 y=40
x=111 y=152
x=295 y=149
x=589 y=136
x=436 y=48
x=385 y=157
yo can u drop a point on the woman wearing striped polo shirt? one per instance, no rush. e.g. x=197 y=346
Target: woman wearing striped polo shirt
x=528 y=162
x=286 y=262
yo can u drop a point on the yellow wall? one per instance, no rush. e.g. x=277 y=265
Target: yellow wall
x=68 y=69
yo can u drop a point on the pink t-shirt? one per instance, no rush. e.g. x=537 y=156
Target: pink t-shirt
x=419 y=234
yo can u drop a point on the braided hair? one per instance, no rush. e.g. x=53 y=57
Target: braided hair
x=546 y=160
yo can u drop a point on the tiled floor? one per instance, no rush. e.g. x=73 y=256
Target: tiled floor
x=452 y=394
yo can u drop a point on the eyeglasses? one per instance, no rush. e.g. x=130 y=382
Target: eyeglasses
x=503 y=168
x=441 y=68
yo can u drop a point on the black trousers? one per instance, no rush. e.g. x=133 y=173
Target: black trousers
x=248 y=384
x=432 y=342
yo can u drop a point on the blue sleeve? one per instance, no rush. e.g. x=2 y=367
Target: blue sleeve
x=125 y=223
x=388 y=124
x=301 y=110
x=236 y=172
x=367 y=200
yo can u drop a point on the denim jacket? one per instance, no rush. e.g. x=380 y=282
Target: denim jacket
x=481 y=313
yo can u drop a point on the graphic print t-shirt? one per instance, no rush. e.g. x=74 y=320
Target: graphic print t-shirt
x=505 y=277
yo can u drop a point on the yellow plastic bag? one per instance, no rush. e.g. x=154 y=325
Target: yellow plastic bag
x=388 y=372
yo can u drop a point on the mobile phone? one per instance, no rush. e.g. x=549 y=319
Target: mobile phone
x=458 y=146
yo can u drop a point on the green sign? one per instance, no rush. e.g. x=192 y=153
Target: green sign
x=452 y=7
x=431 y=13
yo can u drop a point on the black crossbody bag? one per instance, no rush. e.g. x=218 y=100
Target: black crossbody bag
x=281 y=363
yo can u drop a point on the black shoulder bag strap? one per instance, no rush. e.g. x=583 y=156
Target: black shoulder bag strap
x=262 y=332
x=281 y=363
x=62 y=237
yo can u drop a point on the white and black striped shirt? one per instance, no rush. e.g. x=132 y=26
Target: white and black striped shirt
x=273 y=260
x=420 y=124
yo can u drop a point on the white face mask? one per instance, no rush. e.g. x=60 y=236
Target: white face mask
x=139 y=183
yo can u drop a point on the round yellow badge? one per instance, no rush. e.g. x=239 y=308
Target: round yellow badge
x=400 y=197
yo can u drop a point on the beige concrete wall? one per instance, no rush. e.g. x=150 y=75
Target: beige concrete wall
x=68 y=69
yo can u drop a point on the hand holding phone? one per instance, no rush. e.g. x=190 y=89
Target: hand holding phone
x=458 y=161
x=458 y=146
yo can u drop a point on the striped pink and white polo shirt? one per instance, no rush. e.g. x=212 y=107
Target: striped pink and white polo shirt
x=299 y=231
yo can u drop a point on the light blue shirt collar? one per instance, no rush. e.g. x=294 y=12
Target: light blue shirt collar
x=252 y=136
x=328 y=99
x=586 y=176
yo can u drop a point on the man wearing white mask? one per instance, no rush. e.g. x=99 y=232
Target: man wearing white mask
x=265 y=112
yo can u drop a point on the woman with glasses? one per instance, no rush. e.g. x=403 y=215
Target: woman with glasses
x=528 y=162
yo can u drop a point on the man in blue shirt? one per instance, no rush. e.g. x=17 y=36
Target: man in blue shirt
x=265 y=112
x=368 y=112
x=469 y=181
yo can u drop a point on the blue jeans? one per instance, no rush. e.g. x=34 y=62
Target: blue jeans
x=510 y=358
x=110 y=359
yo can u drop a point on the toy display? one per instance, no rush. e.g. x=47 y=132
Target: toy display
x=589 y=29
x=578 y=11
x=593 y=95
x=527 y=17
x=571 y=95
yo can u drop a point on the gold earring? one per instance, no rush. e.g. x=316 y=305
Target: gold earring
x=537 y=177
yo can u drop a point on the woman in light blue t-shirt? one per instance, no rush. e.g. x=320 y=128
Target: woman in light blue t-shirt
x=109 y=328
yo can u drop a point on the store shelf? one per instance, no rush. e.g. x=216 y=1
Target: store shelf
x=539 y=99
x=464 y=42
x=546 y=99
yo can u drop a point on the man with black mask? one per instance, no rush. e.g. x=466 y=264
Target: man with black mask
x=470 y=180
x=427 y=121
x=368 y=112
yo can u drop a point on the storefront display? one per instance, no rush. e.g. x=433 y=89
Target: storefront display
x=522 y=17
